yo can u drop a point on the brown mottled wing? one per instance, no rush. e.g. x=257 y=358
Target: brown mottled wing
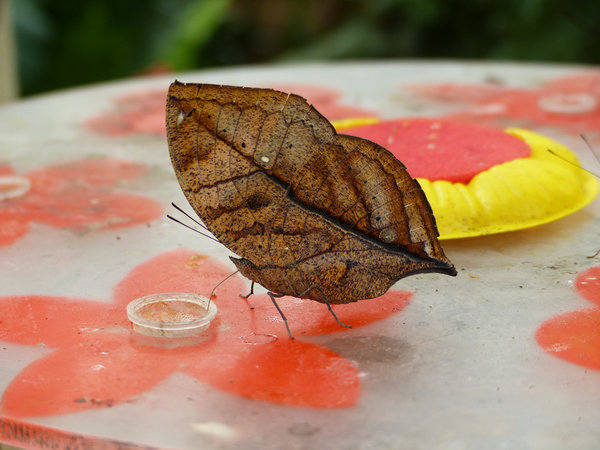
x=302 y=205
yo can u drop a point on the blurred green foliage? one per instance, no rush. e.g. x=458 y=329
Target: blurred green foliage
x=67 y=42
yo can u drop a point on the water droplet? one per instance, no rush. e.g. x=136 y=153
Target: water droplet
x=258 y=338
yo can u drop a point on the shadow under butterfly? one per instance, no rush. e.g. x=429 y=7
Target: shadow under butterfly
x=312 y=213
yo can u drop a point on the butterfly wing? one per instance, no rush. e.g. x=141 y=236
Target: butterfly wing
x=302 y=205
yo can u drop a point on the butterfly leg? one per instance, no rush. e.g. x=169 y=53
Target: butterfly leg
x=245 y=297
x=212 y=293
x=327 y=303
x=270 y=294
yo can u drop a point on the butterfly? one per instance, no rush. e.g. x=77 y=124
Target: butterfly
x=311 y=213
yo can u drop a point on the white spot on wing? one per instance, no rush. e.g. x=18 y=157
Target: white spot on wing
x=180 y=117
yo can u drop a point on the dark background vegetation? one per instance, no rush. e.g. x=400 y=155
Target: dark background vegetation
x=70 y=42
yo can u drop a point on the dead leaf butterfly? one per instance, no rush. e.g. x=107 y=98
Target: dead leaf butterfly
x=311 y=213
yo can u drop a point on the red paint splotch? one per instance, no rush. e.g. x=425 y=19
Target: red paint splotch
x=144 y=112
x=327 y=101
x=137 y=113
x=96 y=360
x=76 y=195
x=571 y=103
x=575 y=336
x=438 y=149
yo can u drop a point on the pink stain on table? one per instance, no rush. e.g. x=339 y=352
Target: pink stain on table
x=327 y=101
x=77 y=195
x=144 y=112
x=137 y=113
x=97 y=361
x=575 y=336
x=570 y=103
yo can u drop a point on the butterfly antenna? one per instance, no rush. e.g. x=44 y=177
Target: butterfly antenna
x=573 y=164
x=590 y=146
x=190 y=227
x=200 y=224
x=587 y=142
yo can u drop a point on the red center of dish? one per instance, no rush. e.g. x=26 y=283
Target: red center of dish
x=438 y=149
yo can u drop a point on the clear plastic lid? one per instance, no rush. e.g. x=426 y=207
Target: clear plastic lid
x=171 y=315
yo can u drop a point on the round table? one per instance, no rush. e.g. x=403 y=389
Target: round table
x=452 y=363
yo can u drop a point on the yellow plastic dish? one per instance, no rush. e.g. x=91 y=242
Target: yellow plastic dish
x=518 y=194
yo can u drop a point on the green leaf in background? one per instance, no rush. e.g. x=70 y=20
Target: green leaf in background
x=70 y=42
x=197 y=23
